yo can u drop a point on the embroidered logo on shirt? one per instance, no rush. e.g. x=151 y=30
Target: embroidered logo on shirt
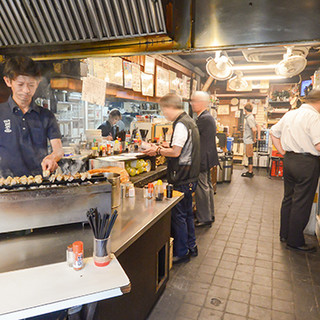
x=7 y=126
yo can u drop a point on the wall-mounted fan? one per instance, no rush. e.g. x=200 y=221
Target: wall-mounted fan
x=291 y=65
x=219 y=68
x=237 y=83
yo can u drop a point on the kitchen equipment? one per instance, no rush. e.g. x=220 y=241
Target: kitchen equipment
x=220 y=170
x=114 y=179
x=44 y=207
x=227 y=168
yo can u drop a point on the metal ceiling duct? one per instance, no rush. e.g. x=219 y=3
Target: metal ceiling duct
x=28 y=22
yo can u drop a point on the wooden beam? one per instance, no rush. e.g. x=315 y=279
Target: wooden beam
x=207 y=84
x=75 y=85
x=173 y=64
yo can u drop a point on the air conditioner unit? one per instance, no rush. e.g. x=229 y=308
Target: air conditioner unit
x=271 y=54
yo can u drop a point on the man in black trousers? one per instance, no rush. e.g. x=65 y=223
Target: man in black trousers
x=297 y=137
x=183 y=158
x=209 y=158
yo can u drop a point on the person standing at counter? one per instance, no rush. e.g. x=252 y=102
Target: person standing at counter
x=24 y=126
x=183 y=157
x=109 y=127
x=209 y=158
x=249 y=138
x=297 y=137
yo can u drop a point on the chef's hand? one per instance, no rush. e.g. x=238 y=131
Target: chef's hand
x=49 y=164
x=152 y=151
x=109 y=138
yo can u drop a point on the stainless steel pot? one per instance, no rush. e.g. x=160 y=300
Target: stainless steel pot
x=114 y=179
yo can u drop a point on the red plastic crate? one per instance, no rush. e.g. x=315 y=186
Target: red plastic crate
x=277 y=168
x=275 y=153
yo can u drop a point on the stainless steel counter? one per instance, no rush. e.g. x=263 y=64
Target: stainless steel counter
x=46 y=246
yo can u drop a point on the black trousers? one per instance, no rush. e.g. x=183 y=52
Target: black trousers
x=301 y=174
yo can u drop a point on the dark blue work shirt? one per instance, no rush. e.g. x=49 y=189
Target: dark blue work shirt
x=24 y=138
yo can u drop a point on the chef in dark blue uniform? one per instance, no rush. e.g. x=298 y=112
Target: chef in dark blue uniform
x=25 y=128
x=109 y=127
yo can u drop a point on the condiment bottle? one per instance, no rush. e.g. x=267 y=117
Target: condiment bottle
x=116 y=147
x=95 y=152
x=108 y=149
x=159 y=192
x=145 y=191
x=69 y=256
x=150 y=191
x=104 y=151
x=169 y=191
x=77 y=248
x=132 y=192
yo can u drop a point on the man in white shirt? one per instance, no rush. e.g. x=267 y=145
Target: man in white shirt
x=183 y=158
x=297 y=137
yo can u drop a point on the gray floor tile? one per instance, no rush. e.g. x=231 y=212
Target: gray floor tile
x=189 y=311
x=282 y=294
x=222 y=281
x=195 y=298
x=261 y=290
x=284 y=316
x=283 y=306
x=259 y=313
x=237 y=308
x=210 y=314
x=239 y=296
x=224 y=273
x=260 y=301
x=241 y=285
x=229 y=316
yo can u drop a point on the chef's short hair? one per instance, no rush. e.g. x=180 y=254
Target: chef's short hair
x=248 y=107
x=313 y=96
x=171 y=100
x=21 y=66
x=114 y=113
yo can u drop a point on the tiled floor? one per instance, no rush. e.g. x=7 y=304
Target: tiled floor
x=243 y=271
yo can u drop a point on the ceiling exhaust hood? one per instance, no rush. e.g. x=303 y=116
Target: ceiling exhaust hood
x=48 y=22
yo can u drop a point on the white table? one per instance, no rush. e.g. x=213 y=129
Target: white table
x=35 y=291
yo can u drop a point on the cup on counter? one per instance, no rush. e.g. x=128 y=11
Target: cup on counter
x=101 y=252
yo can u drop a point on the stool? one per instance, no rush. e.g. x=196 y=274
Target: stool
x=277 y=162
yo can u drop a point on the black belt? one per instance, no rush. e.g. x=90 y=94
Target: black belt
x=303 y=154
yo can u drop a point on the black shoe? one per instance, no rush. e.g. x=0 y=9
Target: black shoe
x=193 y=251
x=213 y=219
x=185 y=258
x=283 y=239
x=203 y=224
x=247 y=174
x=304 y=248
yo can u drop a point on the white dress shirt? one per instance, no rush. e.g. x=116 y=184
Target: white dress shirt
x=299 y=130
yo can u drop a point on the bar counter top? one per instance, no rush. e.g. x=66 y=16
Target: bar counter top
x=48 y=245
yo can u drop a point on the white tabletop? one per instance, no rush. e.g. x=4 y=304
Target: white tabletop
x=35 y=291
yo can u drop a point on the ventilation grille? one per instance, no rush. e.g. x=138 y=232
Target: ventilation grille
x=24 y=22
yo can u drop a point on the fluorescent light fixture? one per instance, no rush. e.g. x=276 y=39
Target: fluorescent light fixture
x=265 y=77
x=253 y=66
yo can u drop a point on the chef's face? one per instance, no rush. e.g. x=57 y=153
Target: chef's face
x=23 y=88
x=114 y=120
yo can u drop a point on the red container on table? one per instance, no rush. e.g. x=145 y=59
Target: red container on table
x=77 y=248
